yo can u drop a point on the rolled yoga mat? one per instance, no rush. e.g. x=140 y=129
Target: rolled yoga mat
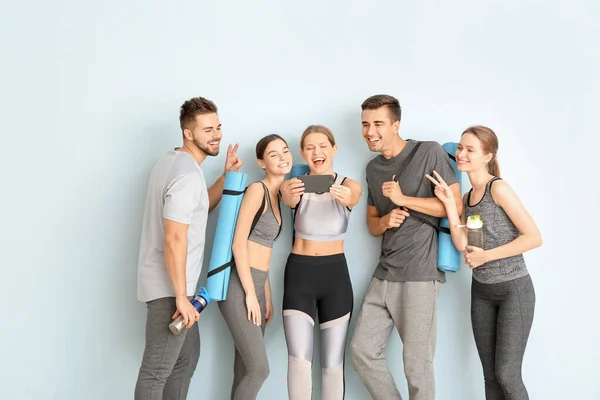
x=299 y=169
x=448 y=255
x=221 y=258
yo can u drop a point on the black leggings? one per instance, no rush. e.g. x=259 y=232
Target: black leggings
x=316 y=285
x=502 y=315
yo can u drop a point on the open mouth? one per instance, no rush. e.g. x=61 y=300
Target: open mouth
x=374 y=140
x=461 y=162
x=283 y=165
x=318 y=161
x=214 y=143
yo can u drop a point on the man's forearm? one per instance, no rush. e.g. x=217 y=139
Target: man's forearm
x=375 y=226
x=215 y=192
x=175 y=258
x=426 y=205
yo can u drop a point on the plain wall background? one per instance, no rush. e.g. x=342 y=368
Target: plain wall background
x=90 y=94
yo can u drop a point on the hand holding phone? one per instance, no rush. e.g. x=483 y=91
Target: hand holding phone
x=292 y=187
x=342 y=194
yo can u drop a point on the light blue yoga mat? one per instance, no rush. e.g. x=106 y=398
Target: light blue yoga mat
x=221 y=258
x=297 y=170
x=448 y=255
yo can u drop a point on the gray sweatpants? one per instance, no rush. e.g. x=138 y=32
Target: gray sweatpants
x=251 y=365
x=412 y=308
x=502 y=315
x=169 y=360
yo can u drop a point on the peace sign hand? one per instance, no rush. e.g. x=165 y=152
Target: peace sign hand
x=233 y=162
x=442 y=190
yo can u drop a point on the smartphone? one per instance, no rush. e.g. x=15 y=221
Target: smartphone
x=316 y=183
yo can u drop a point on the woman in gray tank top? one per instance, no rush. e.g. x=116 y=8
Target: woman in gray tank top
x=248 y=308
x=502 y=293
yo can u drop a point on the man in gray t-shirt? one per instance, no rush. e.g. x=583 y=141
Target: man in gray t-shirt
x=172 y=251
x=406 y=282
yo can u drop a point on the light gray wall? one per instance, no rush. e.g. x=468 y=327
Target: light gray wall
x=90 y=98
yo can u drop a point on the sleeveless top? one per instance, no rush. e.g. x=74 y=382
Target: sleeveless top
x=267 y=228
x=498 y=230
x=319 y=217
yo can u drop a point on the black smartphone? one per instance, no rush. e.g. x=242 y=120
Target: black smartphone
x=316 y=183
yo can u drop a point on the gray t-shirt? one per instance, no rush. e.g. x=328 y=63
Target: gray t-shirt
x=410 y=252
x=177 y=192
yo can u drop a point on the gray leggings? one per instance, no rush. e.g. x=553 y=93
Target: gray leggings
x=502 y=315
x=251 y=366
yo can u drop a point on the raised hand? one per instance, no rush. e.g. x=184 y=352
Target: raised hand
x=442 y=190
x=342 y=194
x=391 y=190
x=233 y=162
x=395 y=218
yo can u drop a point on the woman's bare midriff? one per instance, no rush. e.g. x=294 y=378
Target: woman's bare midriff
x=259 y=256
x=312 y=248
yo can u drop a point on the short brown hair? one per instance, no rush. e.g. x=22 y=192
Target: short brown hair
x=193 y=107
x=317 y=129
x=384 y=100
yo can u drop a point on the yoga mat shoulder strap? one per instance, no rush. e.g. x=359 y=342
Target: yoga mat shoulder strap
x=434 y=226
x=233 y=192
x=423 y=220
x=221 y=268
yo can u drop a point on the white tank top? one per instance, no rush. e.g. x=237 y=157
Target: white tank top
x=319 y=217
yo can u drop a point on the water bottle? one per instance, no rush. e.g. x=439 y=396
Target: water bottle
x=199 y=302
x=475 y=231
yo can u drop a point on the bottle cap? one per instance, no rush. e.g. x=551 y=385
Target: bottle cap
x=204 y=293
x=474 y=222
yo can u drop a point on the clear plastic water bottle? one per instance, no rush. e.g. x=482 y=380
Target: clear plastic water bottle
x=475 y=231
x=199 y=302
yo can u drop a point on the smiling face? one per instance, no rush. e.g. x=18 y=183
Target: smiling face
x=318 y=152
x=206 y=133
x=378 y=130
x=277 y=158
x=470 y=154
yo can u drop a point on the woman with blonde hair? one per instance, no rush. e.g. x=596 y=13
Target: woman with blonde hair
x=317 y=282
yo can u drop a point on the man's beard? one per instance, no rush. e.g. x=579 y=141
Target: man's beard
x=205 y=149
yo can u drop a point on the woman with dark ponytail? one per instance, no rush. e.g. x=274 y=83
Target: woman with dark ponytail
x=502 y=293
x=248 y=309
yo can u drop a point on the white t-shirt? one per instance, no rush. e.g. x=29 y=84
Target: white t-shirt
x=177 y=192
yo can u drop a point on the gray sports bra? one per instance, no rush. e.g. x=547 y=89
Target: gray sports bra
x=319 y=217
x=265 y=227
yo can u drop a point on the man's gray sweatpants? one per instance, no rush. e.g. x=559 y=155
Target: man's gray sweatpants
x=412 y=308
x=169 y=360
